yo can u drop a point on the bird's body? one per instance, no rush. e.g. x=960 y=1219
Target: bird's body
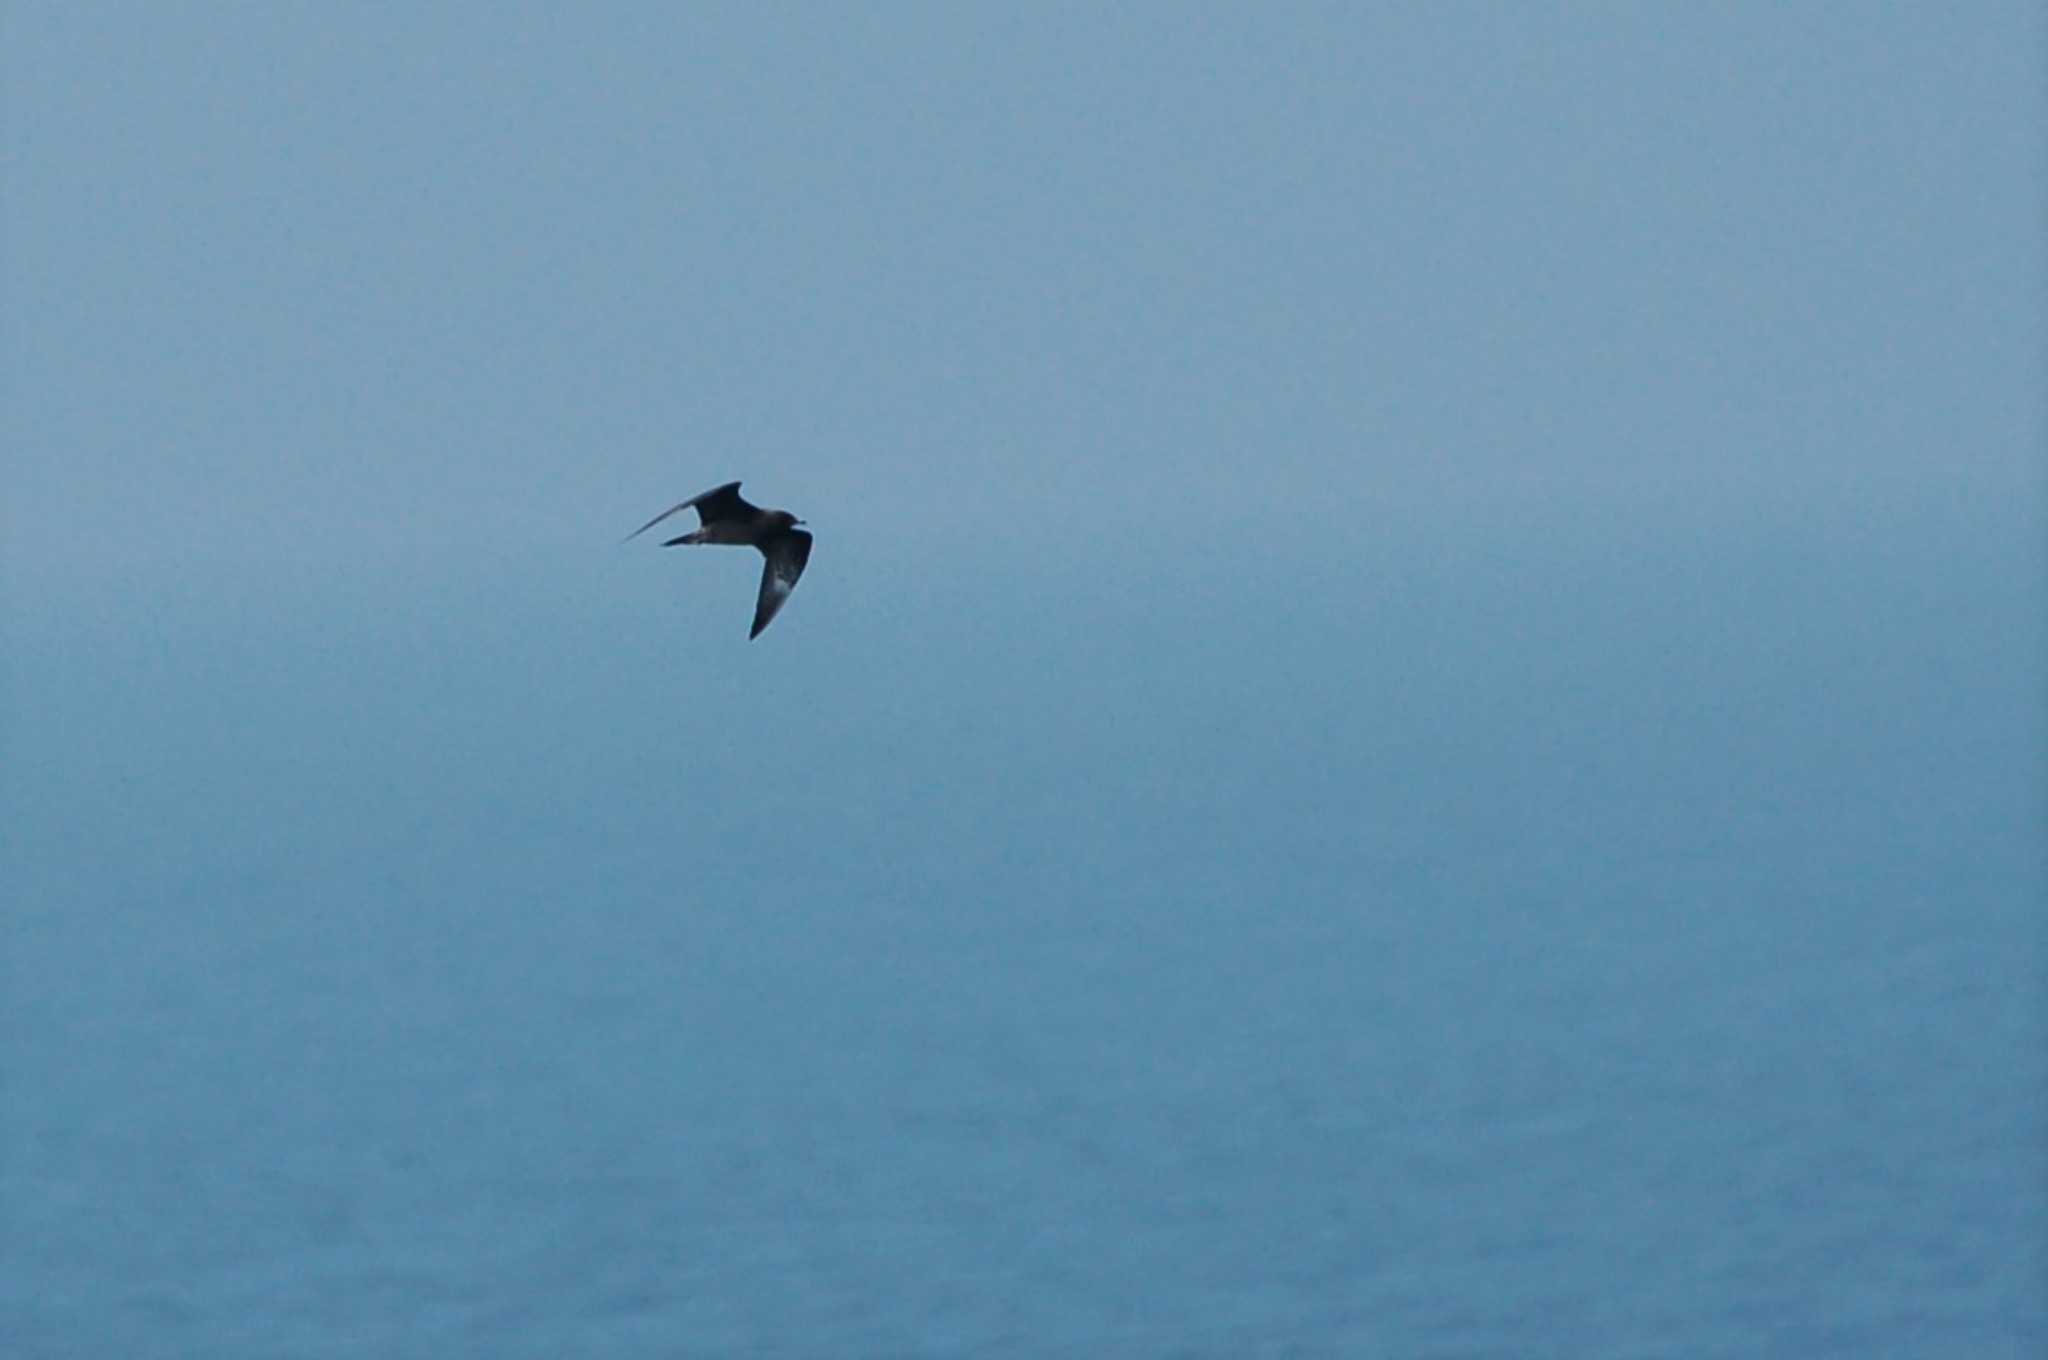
x=726 y=517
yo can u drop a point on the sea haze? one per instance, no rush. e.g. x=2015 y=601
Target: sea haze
x=1613 y=931
x=1416 y=728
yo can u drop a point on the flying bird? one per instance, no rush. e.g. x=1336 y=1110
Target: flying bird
x=726 y=517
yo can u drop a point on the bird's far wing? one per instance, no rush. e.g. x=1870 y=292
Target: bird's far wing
x=787 y=555
x=720 y=502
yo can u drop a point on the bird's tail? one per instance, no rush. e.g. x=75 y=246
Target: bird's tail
x=686 y=539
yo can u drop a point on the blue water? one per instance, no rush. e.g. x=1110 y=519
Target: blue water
x=1560 y=975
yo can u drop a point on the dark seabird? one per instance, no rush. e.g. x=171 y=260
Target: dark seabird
x=728 y=518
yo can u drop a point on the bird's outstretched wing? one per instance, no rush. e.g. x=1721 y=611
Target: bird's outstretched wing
x=787 y=555
x=720 y=502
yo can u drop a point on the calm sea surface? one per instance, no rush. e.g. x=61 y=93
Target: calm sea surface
x=1655 y=989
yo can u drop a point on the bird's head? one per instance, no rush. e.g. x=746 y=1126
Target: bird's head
x=784 y=520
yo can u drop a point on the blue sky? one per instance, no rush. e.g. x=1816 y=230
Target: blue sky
x=314 y=280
